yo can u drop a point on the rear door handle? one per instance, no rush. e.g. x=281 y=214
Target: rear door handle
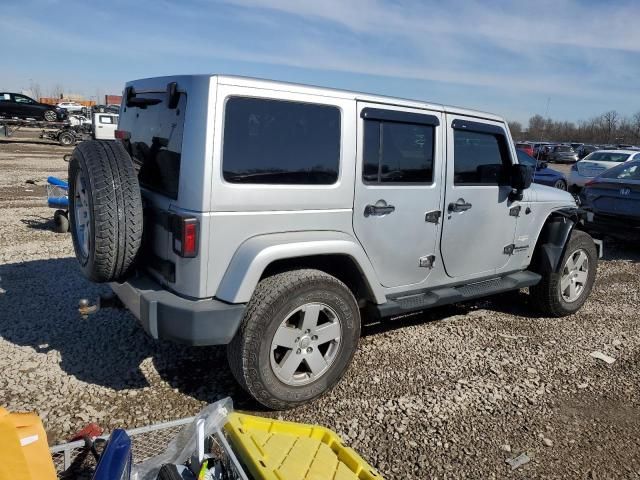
x=380 y=209
x=459 y=206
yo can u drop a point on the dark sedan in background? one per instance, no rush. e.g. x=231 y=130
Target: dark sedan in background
x=562 y=154
x=612 y=201
x=542 y=173
x=16 y=105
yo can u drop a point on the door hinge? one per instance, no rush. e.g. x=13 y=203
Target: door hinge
x=433 y=216
x=515 y=211
x=427 y=262
x=508 y=250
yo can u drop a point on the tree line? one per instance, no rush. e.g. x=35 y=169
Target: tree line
x=608 y=128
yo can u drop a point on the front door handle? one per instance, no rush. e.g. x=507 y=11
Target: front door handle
x=459 y=206
x=380 y=209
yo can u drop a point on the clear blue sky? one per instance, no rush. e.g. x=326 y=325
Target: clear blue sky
x=507 y=57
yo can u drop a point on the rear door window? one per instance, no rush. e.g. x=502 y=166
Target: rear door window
x=397 y=152
x=280 y=142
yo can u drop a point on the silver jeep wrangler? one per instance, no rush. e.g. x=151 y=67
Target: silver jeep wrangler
x=273 y=217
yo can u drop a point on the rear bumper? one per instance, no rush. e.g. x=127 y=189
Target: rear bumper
x=167 y=316
x=614 y=225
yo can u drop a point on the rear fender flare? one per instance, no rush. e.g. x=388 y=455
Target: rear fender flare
x=257 y=253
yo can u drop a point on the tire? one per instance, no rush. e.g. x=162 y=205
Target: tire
x=105 y=210
x=61 y=221
x=548 y=295
x=283 y=299
x=50 y=116
x=66 y=139
x=560 y=185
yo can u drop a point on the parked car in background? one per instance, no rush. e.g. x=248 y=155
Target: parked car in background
x=538 y=149
x=597 y=163
x=575 y=145
x=585 y=150
x=16 y=105
x=562 y=154
x=71 y=107
x=104 y=126
x=541 y=172
x=105 y=109
x=612 y=201
x=525 y=147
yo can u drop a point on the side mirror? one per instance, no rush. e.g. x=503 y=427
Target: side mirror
x=521 y=178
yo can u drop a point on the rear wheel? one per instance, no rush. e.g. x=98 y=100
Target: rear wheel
x=561 y=185
x=563 y=292
x=66 y=139
x=297 y=338
x=50 y=116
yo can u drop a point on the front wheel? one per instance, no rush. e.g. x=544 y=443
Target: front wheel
x=50 y=116
x=563 y=292
x=297 y=338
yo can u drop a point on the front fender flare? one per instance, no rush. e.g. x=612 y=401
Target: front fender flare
x=553 y=239
x=255 y=254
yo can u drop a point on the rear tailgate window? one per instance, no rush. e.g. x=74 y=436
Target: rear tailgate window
x=155 y=142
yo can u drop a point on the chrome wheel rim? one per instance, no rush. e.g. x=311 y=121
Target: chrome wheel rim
x=560 y=185
x=49 y=116
x=575 y=274
x=81 y=214
x=306 y=344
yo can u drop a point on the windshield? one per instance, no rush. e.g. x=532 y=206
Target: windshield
x=608 y=157
x=564 y=149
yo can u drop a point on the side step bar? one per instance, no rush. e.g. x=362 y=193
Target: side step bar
x=403 y=304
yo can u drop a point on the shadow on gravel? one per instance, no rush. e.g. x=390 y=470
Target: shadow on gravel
x=513 y=303
x=39 y=310
x=38 y=222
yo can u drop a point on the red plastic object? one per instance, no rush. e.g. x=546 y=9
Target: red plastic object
x=91 y=430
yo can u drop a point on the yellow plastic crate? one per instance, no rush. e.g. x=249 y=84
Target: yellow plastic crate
x=278 y=450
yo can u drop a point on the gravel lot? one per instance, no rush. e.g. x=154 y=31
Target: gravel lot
x=451 y=393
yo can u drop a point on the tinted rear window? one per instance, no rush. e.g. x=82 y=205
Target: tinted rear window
x=156 y=142
x=398 y=152
x=280 y=142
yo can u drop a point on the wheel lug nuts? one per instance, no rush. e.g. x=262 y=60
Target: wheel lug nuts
x=298 y=351
x=309 y=350
x=315 y=337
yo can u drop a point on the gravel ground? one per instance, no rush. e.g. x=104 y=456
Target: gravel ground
x=451 y=393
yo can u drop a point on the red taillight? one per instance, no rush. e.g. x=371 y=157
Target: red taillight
x=189 y=239
x=185 y=237
x=122 y=135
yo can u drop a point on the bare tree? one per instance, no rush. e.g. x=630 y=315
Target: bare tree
x=57 y=92
x=36 y=90
x=516 y=130
x=610 y=120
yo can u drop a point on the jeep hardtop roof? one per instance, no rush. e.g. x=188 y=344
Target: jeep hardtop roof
x=320 y=91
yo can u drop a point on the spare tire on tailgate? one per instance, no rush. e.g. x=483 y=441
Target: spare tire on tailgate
x=105 y=209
